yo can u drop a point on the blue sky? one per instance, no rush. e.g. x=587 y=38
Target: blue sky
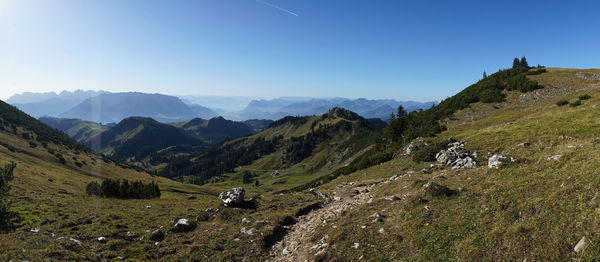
x=407 y=50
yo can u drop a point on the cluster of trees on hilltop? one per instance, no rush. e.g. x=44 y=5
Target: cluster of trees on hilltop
x=123 y=189
x=6 y=174
x=302 y=147
x=487 y=90
x=219 y=160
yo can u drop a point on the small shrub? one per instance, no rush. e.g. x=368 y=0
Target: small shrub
x=584 y=97
x=562 y=102
x=576 y=103
x=437 y=190
x=32 y=144
x=427 y=153
x=93 y=189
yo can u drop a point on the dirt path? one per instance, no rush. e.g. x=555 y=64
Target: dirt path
x=296 y=245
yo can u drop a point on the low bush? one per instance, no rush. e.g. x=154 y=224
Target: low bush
x=562 y=102
x=427 y=153
x=576 y=103
x=584 y=97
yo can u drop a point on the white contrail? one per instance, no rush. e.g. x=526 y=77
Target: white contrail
x=277 y=7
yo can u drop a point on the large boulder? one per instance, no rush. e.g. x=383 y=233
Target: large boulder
x=456 y=156
x=232 y=197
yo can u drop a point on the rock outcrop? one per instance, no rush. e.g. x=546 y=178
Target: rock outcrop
x=232 y=197
x=456 y=156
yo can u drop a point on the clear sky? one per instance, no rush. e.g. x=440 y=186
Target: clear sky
x=407 y=50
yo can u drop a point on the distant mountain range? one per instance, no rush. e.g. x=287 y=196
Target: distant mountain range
x=105 y=107
x=50 y=104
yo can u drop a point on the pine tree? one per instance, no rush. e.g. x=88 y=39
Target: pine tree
x=516 y=63
x=523 y=62
x=484 y=75
x=6 y=174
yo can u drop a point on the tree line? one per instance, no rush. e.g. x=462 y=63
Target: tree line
x=6 y=175
x=123 y=189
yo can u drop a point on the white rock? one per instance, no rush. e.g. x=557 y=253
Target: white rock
x=495 y=161
x=375 y=215
x=243 y=230
x=381 y=230
x=76 y=241
x=286 y=251
x=580 y=245
x=35 y=230
x=101 y=239
x=233 y=196
x=555 y=157
x=355 y=245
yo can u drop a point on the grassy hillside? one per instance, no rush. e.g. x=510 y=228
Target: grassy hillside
x=535 y=208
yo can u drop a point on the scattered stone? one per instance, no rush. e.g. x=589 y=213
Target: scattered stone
x=236 y=239
x=232 y=197
x=361 y=257
x=102 y=239
x=148 y=207
x=184 y=225
x=424 y=171
x=35 y=230
x=565 y=138
x=243 y=230
x=414 y=145
x=355 y=245
x=381 y=230
x=190 y=197
x=390 y=198
x=76 y=241
x=555 y=157
x=245 y=220
x=524 y=144
x=376 y=215
x=580 y=245
x=456 y=156
x=495 y=161
x=286 y=251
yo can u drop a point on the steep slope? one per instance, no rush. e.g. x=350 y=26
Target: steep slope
x=536 y=207
x=113 y=107
x=136 y=138
x=79 y=130
x=215 y=130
